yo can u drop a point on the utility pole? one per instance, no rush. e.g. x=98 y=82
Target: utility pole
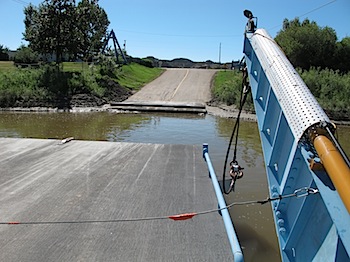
x=220 y=53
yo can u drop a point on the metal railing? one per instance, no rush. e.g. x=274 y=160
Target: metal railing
x=231 y=234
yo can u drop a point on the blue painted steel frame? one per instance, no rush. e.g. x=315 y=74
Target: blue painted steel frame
x=313 y=228
x=231 y=234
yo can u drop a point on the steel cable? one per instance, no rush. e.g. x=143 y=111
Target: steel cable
x=243 y=98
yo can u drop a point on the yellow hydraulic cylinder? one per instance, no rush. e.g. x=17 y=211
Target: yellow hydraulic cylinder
x=335 y=165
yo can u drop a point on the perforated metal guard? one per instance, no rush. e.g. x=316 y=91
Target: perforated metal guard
x=298 y=104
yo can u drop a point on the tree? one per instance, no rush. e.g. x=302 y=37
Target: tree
x=50 y=28
x=92 y=28
x=306 y=44
x=60 y=27
x=342 y=55
x=3 y=53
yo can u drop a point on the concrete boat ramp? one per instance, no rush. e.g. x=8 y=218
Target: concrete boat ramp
x=81 y=201
x=160 y=106
x=175 y=91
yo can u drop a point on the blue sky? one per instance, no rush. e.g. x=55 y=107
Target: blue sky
x=191 y=29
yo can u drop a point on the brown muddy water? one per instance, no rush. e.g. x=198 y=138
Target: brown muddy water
x=254 y=223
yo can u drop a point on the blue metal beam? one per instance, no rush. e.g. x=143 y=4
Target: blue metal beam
x=286 y=110
x=231 y=234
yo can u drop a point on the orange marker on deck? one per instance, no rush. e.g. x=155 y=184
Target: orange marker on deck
x=183 y=216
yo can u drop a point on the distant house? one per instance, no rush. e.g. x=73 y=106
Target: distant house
x=52 y=57
x=11 y=54
x=46 y=58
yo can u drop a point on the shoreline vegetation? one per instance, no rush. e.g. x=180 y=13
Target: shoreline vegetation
x=80 y=87
x=71 y=84
x=330 y=88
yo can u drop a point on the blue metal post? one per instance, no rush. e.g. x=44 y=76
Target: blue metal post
x=231 y=234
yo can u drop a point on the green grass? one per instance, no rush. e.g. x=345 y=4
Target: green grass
x=134 y=76
x=20 y=85
x=67 y=66
x=47 y=83
x=7 y=66
x=227 y=87
x=74 y=66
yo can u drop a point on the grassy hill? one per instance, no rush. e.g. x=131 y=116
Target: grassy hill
x=70 y=84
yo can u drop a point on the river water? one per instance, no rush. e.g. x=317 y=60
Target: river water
x=254 y=223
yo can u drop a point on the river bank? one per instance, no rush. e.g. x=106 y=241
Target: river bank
x=219 y=110
x=169 y=90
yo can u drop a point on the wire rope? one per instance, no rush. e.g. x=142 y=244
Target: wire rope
x=243 y=98
x=301 y=192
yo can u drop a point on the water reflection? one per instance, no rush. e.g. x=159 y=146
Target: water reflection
x=254 y=224
x=82 y=126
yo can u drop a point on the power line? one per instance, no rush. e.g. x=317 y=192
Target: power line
x=317 y=8
x=213 y=36
x=21 y=2
x=309 y=12
x=197 y=36
x=175 y=35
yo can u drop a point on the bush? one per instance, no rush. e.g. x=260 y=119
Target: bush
x=107 y=65
x=331 y=89
x=86 y=82
x=19 y=85
x=227 y=88
x=54 y=80
x=25 y=55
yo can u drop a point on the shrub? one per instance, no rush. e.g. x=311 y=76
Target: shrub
x=54 y=80
x=86 y=82
x=227 y=88
x=19 y=85
x=331 y=89
x=107 y=65
x=26 y=55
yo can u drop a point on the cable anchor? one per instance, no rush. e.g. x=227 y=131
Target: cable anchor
x=305 y=191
